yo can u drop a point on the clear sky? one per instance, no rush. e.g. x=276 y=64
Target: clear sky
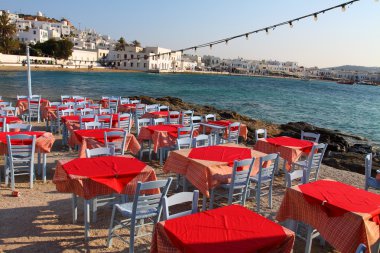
x=337 y=38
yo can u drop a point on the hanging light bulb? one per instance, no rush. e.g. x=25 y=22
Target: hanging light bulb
x=246 y=36
x=267 y=31
x=343 y=7
x=226 y=42
x=315 y=16
x=210 y=46
x=195 y=49
x=291 y=24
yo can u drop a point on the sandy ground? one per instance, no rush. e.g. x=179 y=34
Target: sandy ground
x=40 y=219
x=37 y=68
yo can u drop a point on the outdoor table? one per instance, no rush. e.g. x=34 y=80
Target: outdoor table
x=156 y=115
x=161 y=135
x=22 y=104
x=94 y=138
x=92 y=177
x=126 y=108
x=44 y=143
x=104 y=102
x=221 y=126
x=290 y=149
x=207 y=167
x=10 y=120
x=74 y=100
x=345 y=216
x=224 y=230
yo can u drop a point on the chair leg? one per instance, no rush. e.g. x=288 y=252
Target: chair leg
x=12 y=179
x=258 y=193
x=309 y=239
x=270 y=196
x=74 y=202
x=94 y=205
x=212 y=199
x=44 y=167
x=86 y=218
x=110 y=230
x=204 y=203
x=31 y=176
x=132 y=235
x=184 y=183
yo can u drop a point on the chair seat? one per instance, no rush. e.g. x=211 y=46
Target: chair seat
x=301 y=163
x=264 y=179
x=126 y=211
x=236 y=185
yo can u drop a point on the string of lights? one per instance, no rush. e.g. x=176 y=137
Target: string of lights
x=290 y=22
x=314 y=15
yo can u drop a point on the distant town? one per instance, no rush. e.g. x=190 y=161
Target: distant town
x=93 y=50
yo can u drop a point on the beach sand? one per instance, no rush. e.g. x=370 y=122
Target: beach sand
x=36 y=68
x=40 y=219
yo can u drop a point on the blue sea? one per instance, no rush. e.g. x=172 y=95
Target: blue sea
x=351 y=109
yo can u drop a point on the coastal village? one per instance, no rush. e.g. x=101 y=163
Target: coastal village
x=93 y=50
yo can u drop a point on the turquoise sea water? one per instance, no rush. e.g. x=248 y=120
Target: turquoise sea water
x=352 y=109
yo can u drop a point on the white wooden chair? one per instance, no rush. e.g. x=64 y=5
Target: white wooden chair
x=177 y=199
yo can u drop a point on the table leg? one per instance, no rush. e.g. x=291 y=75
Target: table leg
x=39 y=162
x=204 y=203
x=44 y=167
x=86 y=218
x=74 y=202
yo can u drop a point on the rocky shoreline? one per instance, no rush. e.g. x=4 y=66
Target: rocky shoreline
x=345 y=151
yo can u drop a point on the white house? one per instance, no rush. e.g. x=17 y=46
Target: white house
x=33 y=35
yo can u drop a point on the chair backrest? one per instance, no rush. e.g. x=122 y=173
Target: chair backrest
x=140 y=123
x=209 y=117
x=86 y=111
x=260 y=134
x=21 y=127
x=159 y=121
x=310 y=136
x=241 y=176
x=105 y=111
x=152 y=108
x=21 y=97
x=173 y=117
x=140 y=110
x=135 y=101
x=93 y=125
x=55 y=104
x=116 y=139
x=24 y=148
x=180 y=198
x=3 y=125
x=268 y=166
x=201 y=140
x=82 y=117
x=64 y=97
x=5 y=104
x=96 y=152
x=186 y=117
x=361 y=248
x=79 y=98
x=163 y=108
x=184 y=143
x=34 y=105
x=124 y=100
x=145 y=202
x=185 y=132
x=368 y=165
x=234 y=132
x=66 y=112
x=10 y=111
x=314 y=161
x=106 y=120
x=124 y=121
x=113 y=103
x=70 y=104
x=196 y=119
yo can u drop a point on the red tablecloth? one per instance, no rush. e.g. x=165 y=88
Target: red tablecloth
x=114 y=171
x=304 y=145
x=336 y=211
x=44 y=141
x=225 y=123
x=220 y=153
x=22 y=104
x=126 y=108
x=336 y=198
x=101 y=178
x=160 y=135
x=227 y=229
x=10 y=120
x=97 y=134
x=289 y=148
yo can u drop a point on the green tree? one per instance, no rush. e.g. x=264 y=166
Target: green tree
x=136 y=43
x=121 y=44
x=7 y=31
x=59 y=49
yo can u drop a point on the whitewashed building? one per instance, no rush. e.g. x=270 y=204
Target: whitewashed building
x=33 y=35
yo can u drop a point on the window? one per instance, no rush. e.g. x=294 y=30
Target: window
x=34 y=32
x=137 y=65
x=125 y=64
x=131 y=56
x=118 y=64
x=117 y=56
x=144 y=65
x=131 y=64
x=125 y=56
